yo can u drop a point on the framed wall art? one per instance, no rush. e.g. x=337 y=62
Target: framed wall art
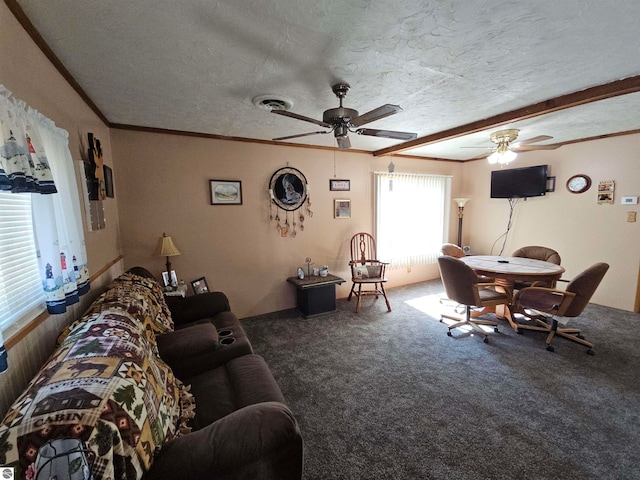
x=341 y=208
x=606 y=189
x=108 y=181
x=339 y=185
x=226 y=192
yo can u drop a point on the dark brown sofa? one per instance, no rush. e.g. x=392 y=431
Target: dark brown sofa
x=242 y=428
x=122 y=384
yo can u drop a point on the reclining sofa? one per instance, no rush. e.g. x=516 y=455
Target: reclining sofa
x=153 y=390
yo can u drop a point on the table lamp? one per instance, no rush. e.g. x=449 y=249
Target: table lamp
x=461 y=203
x=168 y=249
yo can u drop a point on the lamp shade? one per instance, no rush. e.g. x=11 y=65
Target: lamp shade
x=461 y=201
x=167 y=247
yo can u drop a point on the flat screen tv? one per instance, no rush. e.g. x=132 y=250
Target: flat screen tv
x=519 y=182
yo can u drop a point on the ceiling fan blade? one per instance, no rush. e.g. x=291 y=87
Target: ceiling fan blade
x=302 y=117
x=529 y=148
x=539 y=138
x=343 y=142
x=478 y=157
x=386 y=133
x=376 y=114
x=299 y=135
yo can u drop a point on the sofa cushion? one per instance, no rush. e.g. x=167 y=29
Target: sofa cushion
x=190 y=309
x=191 y=350
x=238 y=383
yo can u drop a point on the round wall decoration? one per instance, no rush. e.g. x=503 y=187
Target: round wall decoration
x=288 y=187
x=579 y=183
x=288 y=191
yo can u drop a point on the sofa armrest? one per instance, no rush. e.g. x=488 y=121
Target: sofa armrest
x=197 y=307
x=258 y=441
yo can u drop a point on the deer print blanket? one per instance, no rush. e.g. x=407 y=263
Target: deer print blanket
x=105 y=385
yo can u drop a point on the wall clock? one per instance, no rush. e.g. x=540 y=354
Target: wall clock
x=579 y=183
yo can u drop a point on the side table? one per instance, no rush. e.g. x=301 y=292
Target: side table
x=316 y=295
x=180 y=291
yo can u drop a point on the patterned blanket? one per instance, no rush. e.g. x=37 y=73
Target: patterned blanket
x=104 y=385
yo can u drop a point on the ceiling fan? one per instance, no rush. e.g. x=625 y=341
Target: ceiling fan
x=343 y=120
x=506 y=151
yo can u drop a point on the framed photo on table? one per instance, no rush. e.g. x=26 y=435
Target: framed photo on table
x=200 y=286
x=165 y=279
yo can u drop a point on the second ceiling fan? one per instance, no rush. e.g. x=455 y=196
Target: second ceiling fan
x=506 y=151
x=342 y=120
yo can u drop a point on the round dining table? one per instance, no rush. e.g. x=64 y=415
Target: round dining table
x=507 y=270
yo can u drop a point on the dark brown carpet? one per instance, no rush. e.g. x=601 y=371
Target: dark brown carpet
x=389 y=396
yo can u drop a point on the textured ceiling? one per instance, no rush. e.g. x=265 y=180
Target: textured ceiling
x=196 y=65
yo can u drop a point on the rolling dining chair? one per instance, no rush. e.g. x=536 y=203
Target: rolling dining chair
x=548 y=307
x=452 y=250
x=536 y=252
x=461 y=285
x=366 y=269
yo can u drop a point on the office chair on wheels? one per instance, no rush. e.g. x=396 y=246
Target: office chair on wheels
x=461 y=285
x=547 y=307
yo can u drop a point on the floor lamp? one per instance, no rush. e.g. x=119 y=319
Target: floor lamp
x=461 y=203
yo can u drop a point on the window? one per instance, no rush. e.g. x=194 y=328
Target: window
x=412 y=212
x=20 y=284
x=42 y=252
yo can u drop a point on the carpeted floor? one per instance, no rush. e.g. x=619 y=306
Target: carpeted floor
x=390 y=396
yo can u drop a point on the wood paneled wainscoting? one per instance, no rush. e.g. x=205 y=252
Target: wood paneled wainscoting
x=29 y=348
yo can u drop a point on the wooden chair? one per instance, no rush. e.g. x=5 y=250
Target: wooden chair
x=461 y=285
x=536 y=252
x=547 y=306
x=366 y=269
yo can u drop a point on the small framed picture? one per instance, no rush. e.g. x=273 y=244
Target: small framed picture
x=165 y=279
x=226 y=192
x=339 y=185
x=108 y=180
x=341 y=208
x=200 y=286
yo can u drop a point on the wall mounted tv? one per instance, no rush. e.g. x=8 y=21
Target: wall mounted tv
x=519 y=182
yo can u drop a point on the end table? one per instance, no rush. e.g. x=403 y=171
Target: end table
x=316 y=295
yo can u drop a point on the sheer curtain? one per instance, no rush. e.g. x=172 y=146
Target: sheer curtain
x=35 y=158
x=412 y=212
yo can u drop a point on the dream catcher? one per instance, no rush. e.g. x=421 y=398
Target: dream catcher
x=288 y=194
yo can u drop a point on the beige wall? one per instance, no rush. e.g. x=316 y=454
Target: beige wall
x=582 y=231
x=163 y=185
x=163 y=182
x=29 y=75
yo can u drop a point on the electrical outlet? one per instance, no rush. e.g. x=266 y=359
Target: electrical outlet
x=631 y=217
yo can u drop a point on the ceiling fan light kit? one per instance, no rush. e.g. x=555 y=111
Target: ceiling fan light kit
x=503 y=153
x=342 y=120
x=506 y=151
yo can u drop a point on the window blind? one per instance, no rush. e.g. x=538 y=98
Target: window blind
x=20 y=284
x=411 y=217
